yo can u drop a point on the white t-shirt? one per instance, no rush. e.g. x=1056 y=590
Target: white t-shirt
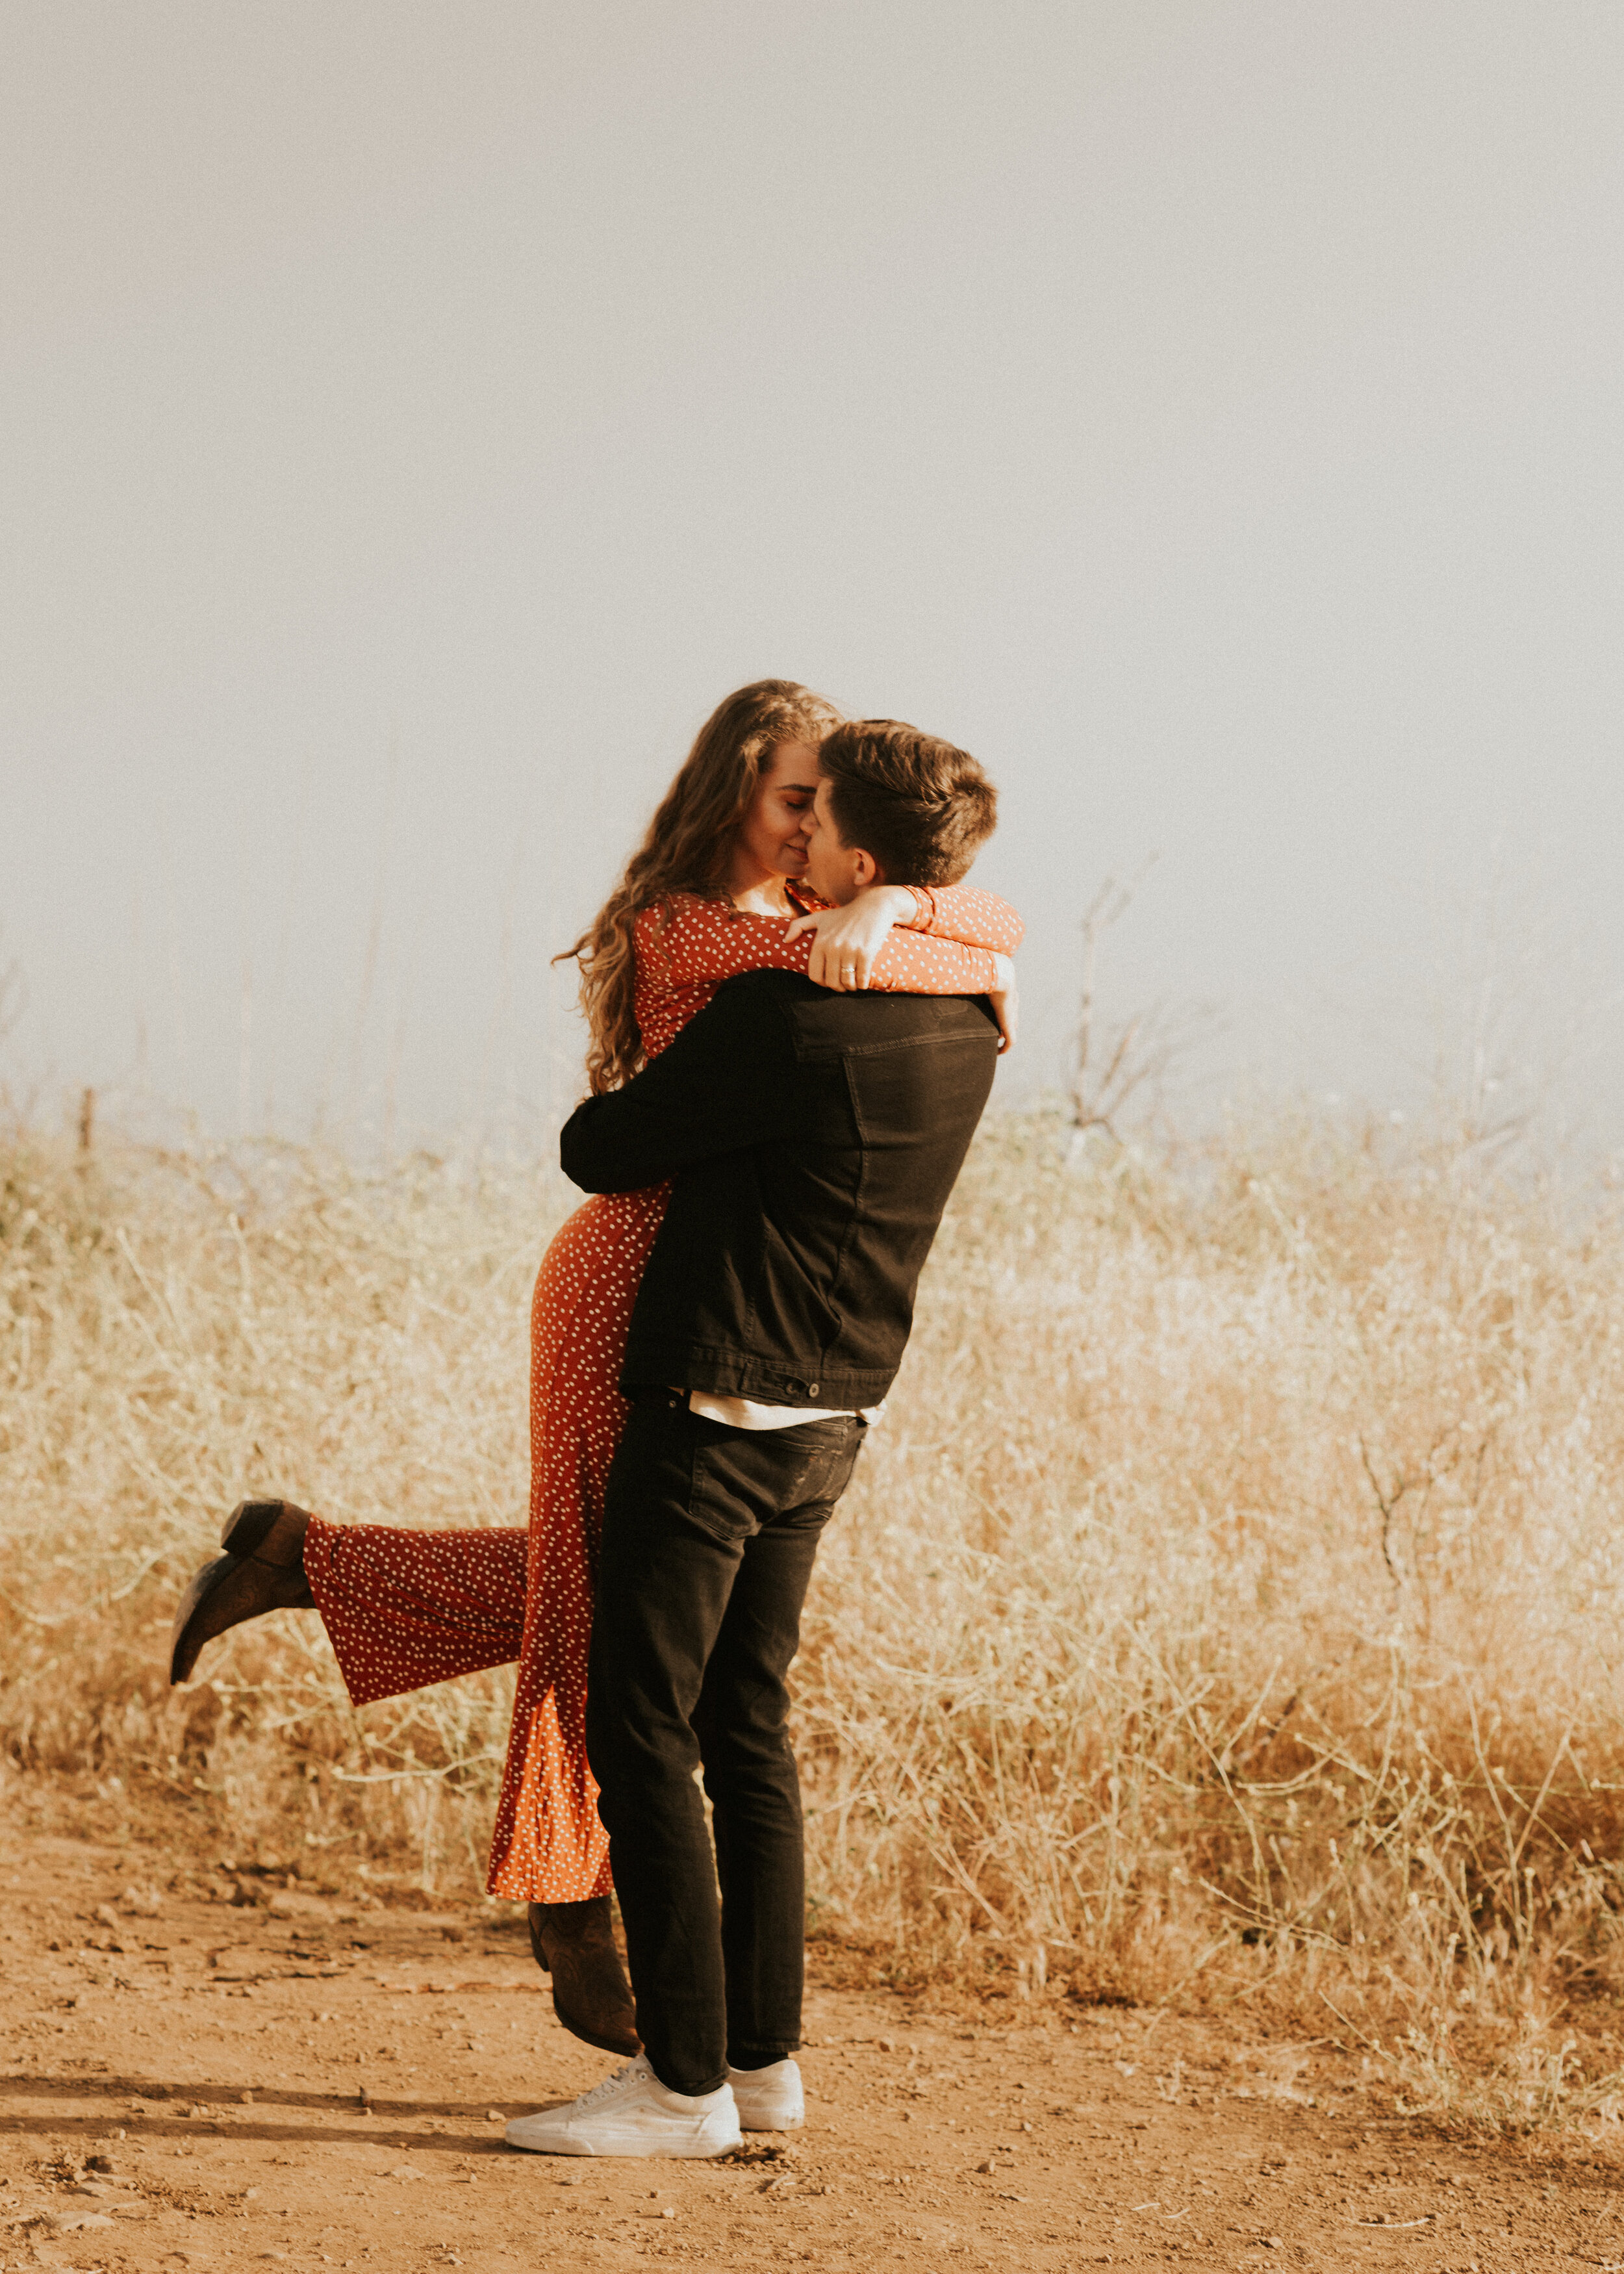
x=750 y=1413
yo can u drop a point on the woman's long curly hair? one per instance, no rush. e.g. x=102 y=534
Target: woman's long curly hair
x=686 y=850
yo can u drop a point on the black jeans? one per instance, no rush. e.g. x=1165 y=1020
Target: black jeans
x=708 y=1537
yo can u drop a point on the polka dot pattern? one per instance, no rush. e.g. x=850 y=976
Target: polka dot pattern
x=405 y=1609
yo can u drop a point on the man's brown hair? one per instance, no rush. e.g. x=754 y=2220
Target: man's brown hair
x=919 y=808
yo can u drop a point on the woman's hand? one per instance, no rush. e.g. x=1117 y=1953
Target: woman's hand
x=1006 y=1000
x=849 y=938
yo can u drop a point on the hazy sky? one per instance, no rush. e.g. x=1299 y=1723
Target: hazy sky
x=416 y=417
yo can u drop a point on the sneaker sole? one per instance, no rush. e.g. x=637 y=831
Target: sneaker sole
x=668 y=2150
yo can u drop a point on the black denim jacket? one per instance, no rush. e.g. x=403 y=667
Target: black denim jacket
x=812 y=1140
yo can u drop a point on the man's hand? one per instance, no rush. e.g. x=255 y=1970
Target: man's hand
x=849 y=938
x=1006 y=1000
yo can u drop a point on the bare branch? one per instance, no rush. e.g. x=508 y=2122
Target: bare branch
x=13 y=995
x=1139 y=1055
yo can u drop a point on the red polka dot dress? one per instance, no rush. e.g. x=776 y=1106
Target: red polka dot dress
x=404 y=1608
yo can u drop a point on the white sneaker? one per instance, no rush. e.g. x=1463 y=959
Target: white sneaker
x=769 y=2100
x=632 y=2113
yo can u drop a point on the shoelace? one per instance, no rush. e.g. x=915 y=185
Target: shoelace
x=601 y=2092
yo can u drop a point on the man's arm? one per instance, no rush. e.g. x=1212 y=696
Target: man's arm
x=725 y=1083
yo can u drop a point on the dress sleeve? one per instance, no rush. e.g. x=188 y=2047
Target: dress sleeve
x=964 y=912
x=703 y=942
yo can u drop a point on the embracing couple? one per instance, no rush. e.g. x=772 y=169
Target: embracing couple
x=795 y=1005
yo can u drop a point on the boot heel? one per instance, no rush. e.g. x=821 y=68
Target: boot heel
x=245 y=1529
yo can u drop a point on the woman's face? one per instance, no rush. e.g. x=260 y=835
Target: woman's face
x=773 y=836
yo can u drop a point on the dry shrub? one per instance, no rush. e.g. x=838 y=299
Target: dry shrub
x=1226 y=1611
x=184 y=1330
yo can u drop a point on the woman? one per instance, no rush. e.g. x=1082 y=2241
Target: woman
x=711 y=892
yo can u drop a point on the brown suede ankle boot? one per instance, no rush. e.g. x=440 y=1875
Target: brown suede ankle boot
x=262 y=1569
x=575 y=1944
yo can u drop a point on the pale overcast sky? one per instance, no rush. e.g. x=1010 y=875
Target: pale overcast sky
x=416 y=417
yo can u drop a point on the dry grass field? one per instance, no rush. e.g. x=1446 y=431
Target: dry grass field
x=1226 y=1618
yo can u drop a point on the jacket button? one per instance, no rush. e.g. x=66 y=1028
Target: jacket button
x=812 y=1390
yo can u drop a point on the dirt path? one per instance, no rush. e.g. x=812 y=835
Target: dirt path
x=187 y=2083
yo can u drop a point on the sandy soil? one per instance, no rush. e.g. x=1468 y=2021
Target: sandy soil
x=194 y=2079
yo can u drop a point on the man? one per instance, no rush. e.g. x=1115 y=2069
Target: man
x=813 y=1140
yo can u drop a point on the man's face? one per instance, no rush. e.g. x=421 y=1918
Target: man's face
x=773 y=836
x=836 y=872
